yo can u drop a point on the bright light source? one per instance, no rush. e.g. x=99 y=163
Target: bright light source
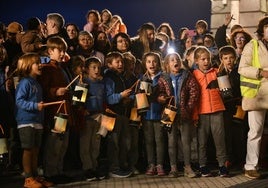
x=170 y=50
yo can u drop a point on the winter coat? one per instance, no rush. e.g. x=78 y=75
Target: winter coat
x=245 y=69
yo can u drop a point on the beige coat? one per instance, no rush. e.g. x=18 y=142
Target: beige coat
x=260 y=101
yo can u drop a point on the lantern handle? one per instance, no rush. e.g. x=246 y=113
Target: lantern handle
x=64 y=106
x=2 y=130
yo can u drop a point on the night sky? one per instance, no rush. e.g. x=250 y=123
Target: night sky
x=178 y=13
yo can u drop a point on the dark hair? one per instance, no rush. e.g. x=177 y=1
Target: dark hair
x=76 y=61
x=95 y=12
x=33 y=23
x=156 y=55
x=262 y=22
x=227 y=50
x=114 y=41
x=170 y=31
x=145 y=26
x=75 y=26
x=202 y=23
x=92 y=60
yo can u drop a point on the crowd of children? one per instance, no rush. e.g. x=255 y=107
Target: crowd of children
x=69 y=79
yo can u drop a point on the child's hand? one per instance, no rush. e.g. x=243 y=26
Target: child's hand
x=61 y=91
x=161 y=99
x=40 y=106
x=126 y=93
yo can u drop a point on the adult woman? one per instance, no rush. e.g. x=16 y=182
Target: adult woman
x=256 y=106
x=121 y=42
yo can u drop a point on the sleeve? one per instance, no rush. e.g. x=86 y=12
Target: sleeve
x=111 y=96
x=194 y=93
x=245 y=66
x=22 y=97
x=220 y=36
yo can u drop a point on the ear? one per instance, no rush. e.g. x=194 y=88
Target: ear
x=49 y=50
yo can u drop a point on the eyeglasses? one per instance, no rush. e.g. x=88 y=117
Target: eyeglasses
x=240 y=38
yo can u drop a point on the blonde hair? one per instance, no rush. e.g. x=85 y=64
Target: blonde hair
x=167 y=58
x=201 y=50
x=25 y=63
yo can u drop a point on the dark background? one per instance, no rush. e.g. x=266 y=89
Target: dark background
x=178 y=13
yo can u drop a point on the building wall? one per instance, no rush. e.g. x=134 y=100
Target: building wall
x=247 y=13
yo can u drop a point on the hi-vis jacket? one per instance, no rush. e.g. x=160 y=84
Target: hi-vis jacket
x=246 y=69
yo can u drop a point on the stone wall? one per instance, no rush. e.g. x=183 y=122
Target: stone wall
x=246 y=12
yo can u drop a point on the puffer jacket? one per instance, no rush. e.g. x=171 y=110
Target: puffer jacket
x=210 y=98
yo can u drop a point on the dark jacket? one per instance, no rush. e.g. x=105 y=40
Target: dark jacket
x=115 y=84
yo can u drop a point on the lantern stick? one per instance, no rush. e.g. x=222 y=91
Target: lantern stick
x=52 y=103
x=72 y=81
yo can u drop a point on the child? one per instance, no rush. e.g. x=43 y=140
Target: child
x=54 y=80
x=29 y=116
x=117 y=97
x=153 y=135
x=180 y=84
x=201 y=28
x=89 y=139
x=129 y=75
x=210 y=112
x=228 y=58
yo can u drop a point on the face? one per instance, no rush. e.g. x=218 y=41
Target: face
x=174 y=64
x=190 y=59
x=204 y=62
x=36 y=69
x=265 y=32
x=188 y=42
x=105 y=16
x=208 y=42
x=85 y=41
x=50 y=26
x=2 y=39
x=228 y=61
x=122 y=44
x=71 y=31
x=129 y=66
x=78 y=70
x=164 y=30
x=240 y=40
x=117 y=65
x=94 y=71
x=150 y=35
x=101 y=39
x=151 y=65
x=56 y=54
x=92 y=18
x=200 y=30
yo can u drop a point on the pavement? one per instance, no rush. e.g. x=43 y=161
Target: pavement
x=236 y=180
